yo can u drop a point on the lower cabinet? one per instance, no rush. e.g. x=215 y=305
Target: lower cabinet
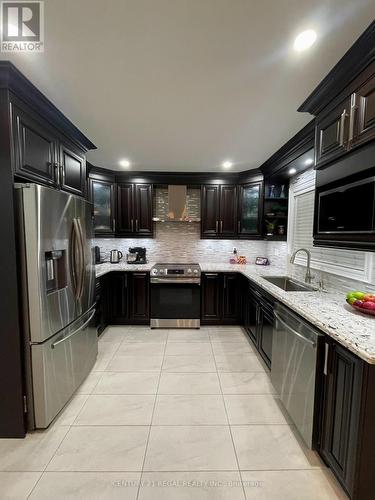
x=220 y=299
x=341 y=439
x=258 y=320
x=127 y=298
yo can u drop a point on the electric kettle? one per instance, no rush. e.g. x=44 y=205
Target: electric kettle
x=115 y=257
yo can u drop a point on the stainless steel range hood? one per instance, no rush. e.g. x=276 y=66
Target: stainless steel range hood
x=177 y=204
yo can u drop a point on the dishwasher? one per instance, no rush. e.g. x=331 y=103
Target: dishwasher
x=296 y=349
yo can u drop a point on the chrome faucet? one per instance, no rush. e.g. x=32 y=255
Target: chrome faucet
x=308 y=268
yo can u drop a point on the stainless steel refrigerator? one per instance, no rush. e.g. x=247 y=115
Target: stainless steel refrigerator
x=58 y=275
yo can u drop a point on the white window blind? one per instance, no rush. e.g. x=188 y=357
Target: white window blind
x=353 y=264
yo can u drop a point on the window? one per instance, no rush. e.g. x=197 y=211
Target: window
x=348 y=263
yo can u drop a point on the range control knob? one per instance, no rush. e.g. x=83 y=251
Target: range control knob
x=154 y=271
x=161 y=271
x=195 y=271
x=189 y=271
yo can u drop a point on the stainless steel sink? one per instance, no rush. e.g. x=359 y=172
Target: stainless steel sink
x=289 y=284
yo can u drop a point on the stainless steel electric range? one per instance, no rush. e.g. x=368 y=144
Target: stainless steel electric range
x=175 y=296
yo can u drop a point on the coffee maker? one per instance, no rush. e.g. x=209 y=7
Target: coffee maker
x=136 y=255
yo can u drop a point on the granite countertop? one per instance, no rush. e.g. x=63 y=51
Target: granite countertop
x=327 y=311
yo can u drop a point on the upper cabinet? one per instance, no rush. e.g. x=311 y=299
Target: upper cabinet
x=231 y=211
x=348 y=125
x=102 y=194
x=134 y=210
x=45 y=147
x=250 y=209
x=344 y=103
x=120 y=208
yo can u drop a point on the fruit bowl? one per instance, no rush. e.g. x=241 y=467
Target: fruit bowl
x=362 y=302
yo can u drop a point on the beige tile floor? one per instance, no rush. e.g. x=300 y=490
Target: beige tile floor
x=169 y=415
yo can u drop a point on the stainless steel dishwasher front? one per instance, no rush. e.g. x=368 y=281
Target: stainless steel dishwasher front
x=293 y=371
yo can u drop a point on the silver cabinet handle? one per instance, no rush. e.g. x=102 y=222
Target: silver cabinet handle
x=238 y=226
x=75 y=331
x=297 y=334
x=132 y=225
x=353 y=109
x=211 y=274
x=343 y=117
x=114 y=225
x=136 y=225
x=221 y=226
x=217 y=226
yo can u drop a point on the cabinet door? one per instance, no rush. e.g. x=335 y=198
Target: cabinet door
x=35 y=148
x=102 y=197
x=228 y=211
x=342 y=398
x=125 y=209
x=143 y=210
x=72 y=170
x=265 y=335
x=139 y=297
x=210 y=210
x=211 y=303
x=331 y=134
x=230 y=298
x=118 y=298
x=251 y=325
x=363 y=114
x=249 y=209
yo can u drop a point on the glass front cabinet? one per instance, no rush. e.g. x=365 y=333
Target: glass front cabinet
x=102 y=197
x=250 y=209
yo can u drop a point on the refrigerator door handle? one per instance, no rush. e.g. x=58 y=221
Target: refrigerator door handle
x=77 y=259
x=75 y=331
x=82 y=271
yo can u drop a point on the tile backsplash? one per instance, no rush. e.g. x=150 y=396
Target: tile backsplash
x=181 y=242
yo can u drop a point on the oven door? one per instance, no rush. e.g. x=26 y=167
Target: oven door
x=175 y=301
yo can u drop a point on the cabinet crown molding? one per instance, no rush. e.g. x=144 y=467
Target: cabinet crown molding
x=13 y=80
x=360 y=55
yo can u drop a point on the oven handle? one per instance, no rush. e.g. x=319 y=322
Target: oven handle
x=192 y=281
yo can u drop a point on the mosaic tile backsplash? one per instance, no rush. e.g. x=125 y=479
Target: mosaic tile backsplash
x=180 y=242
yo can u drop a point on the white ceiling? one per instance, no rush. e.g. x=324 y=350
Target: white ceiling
x=184 y=84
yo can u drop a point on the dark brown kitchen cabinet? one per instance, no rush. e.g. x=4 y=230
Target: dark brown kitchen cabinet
x=42 y=155
x=140 y=297
x=143 y=209
x=219 y=211
x=250 y=198
x=332 y=134
x=231 y=309
x=134 y=210
x=127 y=297
x=220 y=298
x=265 y=333
x=118 y=298
x=363 y=114
x=72 y=171
x=341 y=413
x=125 y=204
x=210 y=307
x=102 y=195
x=210 y=210
x=35 y=148
x=258 y=320
x=228 y=211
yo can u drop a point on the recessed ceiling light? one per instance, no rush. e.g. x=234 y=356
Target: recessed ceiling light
x=227 y=164
x=309 y=161
x=292 y=171
x=304 y=40
x=124 y=163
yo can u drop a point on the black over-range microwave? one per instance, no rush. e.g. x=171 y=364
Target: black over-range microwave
x=345 y=207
